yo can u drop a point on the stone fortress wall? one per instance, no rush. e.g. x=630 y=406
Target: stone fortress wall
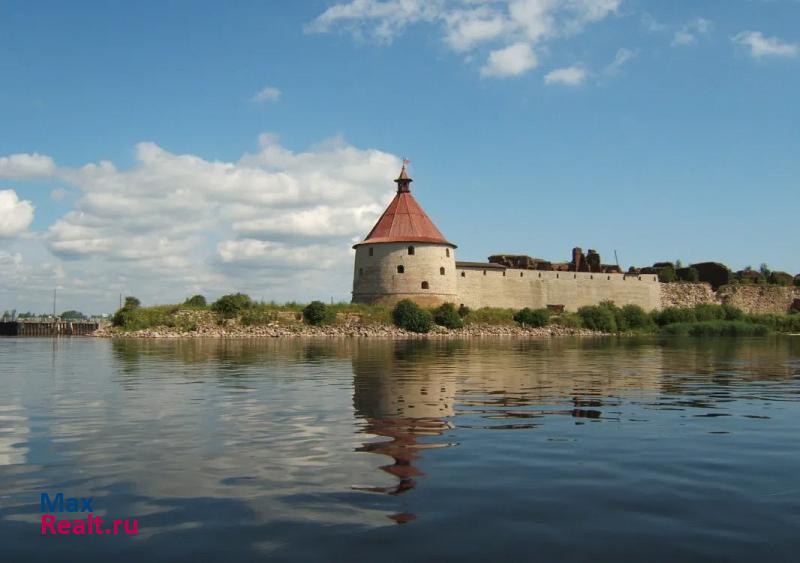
x=516 y=288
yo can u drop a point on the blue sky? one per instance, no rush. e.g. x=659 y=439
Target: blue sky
x=664 y=130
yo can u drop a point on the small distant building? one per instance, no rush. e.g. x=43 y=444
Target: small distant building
x=405 y=256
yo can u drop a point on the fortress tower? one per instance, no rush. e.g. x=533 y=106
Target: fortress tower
x=405 y=256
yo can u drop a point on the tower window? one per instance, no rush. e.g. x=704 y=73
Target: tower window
x=441 y=271
x=463 y=274
x=504 y=273
x=424 y=285
x=361 y=271
x=370 y=250
x=484 y=272
x=401 y=270
x=411 y=250
x=447 y=252
x=520 y=274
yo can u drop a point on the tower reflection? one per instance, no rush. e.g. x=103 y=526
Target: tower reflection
x=404 y=407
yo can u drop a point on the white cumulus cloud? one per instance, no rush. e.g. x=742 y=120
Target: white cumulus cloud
x=15 y=214
x=568 y=76
x=275 y=223
x=508 y=32
x=761 y=46
x=26 y=165
x=513 y=60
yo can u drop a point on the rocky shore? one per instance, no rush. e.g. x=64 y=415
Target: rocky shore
x=277 y=330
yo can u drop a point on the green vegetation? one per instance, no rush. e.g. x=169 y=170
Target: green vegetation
x=196 y=302
x=667 y=274
x=532 y=317
x=490 y=316
x=73 y=315
x=447 y=316
x=231 y=305
x=317 y=313
x=410 y=316
x=700 y=320
x=568 y=320
x=598 y=318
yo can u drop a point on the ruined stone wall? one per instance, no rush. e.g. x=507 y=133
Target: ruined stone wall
x=686 y=294
x=515 y=289
x=748 y=298
x=759 y=298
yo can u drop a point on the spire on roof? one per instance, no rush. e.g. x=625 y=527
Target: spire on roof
x=403 y=180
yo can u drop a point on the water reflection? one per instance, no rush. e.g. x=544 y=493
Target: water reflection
x=294 y=445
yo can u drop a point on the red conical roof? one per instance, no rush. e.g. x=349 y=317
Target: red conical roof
x=404 y=220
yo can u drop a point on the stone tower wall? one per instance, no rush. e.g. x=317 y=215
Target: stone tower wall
x=376 y=279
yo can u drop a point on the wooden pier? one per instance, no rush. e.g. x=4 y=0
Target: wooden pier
x=47 y=328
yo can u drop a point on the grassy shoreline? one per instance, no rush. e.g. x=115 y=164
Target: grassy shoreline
x=237 y=314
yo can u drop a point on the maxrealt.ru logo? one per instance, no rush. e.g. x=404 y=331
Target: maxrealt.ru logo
x=82 y=526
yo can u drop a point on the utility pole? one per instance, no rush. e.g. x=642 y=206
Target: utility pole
x=615 y=257
x=54 y=304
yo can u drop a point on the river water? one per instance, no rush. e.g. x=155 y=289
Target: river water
x=368 y=450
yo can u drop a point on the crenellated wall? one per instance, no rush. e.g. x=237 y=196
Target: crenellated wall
x=515 y=289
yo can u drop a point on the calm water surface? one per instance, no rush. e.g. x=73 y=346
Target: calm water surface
x=562 y=450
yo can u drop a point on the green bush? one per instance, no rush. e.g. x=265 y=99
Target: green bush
x=635 y=317
x=408 y=315
x=732 y=313
x=124 y=314
x=140 y=318
x=672 y=315
x=463 y=311
x=447 y=316
x=197 y=301
x=231 y=305
x=569 y=320
x=709 y=312
x=598 y=318
x=619 y=319
x=715 y=328
x=667 y=274
x=317 y=313
x=688 y=274
x=532 y=317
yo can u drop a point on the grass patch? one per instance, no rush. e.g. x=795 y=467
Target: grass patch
x=490 y=316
